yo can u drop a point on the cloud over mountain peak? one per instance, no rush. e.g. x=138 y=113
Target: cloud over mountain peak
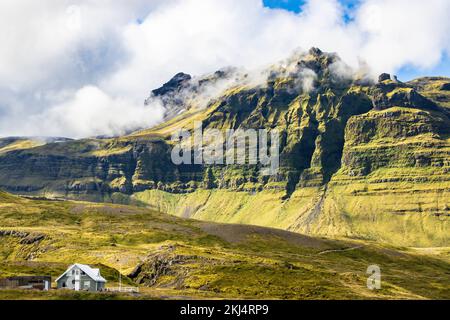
x=54 y=56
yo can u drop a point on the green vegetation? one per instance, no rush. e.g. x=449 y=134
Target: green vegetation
x=434 y=88
x=18 y=144
x=412 y=214
x=365 y=164
x=187 y=258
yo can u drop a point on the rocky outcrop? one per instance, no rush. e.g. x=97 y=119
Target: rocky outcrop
x=387 y=94
x=174 y=85
x=26 y=237
x=445 y=86
x=384 y=77
x=165 y=263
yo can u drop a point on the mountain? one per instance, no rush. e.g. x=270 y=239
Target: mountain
x=359 y=159
x=173 y=258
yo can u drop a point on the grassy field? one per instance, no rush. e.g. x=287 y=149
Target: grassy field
x=188 y=259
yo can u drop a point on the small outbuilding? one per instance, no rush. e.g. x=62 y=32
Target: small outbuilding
x=27 y=282
x=81 y=277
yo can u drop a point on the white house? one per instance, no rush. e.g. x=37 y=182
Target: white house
x=81 y=277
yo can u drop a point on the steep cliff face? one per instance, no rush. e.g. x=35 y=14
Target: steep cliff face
x=396 y=137
x=356 y=158
x=92 y=169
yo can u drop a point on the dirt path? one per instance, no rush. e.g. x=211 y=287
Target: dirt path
x=341 y=250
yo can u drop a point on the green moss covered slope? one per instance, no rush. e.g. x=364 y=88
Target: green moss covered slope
x=358 y=159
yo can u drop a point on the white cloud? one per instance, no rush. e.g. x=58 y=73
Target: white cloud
x=92 y=112
x=81 y=68
x=404 y=32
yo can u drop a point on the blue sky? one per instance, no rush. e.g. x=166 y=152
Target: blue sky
x=294 y=5
x=406 y=73
x=291 y=5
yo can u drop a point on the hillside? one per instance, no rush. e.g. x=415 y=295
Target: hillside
x=358 y=159
x=169 y=257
